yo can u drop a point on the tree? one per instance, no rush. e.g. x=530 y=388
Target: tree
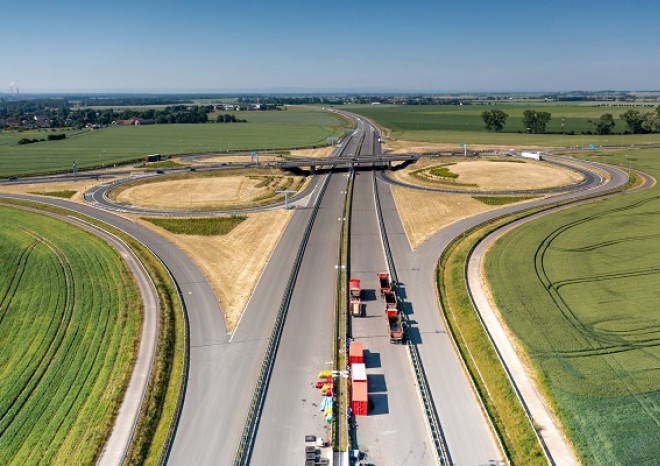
x=651 y=122
x=604 y=124
x=536 y=122
x=494 y=120
x=634 y=120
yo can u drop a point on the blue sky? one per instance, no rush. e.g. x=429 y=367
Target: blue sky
x=310 y=46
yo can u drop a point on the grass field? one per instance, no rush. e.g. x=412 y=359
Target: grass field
x=584 y=306
x=69 y=323
x=463 y=124
x=295 y=127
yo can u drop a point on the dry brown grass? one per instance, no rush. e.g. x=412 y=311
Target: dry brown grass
x=405 y=147
x=425 y=213
x=234 y=262
x=207 y=192
x=319 y=152
x=35 y=188
x=491 y=174
x=237 y=159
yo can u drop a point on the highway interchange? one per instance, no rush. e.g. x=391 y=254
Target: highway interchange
x=223 y=367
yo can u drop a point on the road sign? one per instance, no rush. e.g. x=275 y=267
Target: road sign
x=591 y=146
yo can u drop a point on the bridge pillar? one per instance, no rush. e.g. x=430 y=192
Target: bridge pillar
x=389 y=165
x=312 y=168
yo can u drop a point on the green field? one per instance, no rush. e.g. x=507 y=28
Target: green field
x=463 y=124
x=579 y=288
x=295 y=127
x=69 y=323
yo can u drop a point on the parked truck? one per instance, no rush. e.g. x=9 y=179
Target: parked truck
x=390 y=300
x=384 y=279
x=395 y=326
x=354 y=292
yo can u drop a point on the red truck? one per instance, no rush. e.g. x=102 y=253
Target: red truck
x=356 y=302
x=395 y=326
x=390 y=300
x=384 y=279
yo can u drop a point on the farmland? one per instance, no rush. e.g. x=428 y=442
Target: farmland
x=463 y=124
x=585 y=311
x=69 y=323
x=295 y=127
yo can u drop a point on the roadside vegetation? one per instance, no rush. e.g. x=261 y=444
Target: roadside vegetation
x=69 y=322
x=163 y=164
x=583 y=307
x=515 y=431
x=209 y=226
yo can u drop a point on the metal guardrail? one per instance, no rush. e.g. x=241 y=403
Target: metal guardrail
x=439 y=442
x=256 y=406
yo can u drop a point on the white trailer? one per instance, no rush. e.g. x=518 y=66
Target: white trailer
x=531 y=155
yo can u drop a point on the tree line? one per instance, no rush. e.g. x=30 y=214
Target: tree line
x=536 y=122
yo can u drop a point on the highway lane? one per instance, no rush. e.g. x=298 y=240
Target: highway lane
x=468 y=434
x=291 y=409
x=395 y=431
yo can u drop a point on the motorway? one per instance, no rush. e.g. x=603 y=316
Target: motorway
x=223 y=368
x=395 y=431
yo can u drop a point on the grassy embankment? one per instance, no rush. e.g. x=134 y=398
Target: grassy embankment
x=584 y=309
x=463 y=124
x=69 y=326
x=286 y=129
x=163 y=398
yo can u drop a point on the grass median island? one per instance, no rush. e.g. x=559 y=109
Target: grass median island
x=584 y=308
x=501 y=200
x=163 y=397
x=69 y=328
x=66 y=194
x=197 y=226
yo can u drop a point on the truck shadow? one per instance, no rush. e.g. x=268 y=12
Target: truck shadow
x=378 y=404
x=371 y=360
x=414 y=335
x=401 y=290
x=368 y=295
x=376 y=383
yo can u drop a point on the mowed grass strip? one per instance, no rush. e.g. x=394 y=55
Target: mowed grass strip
x=65 y=194
x=583 y=305
x=209 y=226
x=295 y=127
x=69 y=325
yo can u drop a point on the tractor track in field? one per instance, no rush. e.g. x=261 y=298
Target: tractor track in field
x=51 y=347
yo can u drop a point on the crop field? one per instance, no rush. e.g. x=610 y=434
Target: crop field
x=579 y=289
x=69 y=323
x=463 y=124
x=292 y=128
